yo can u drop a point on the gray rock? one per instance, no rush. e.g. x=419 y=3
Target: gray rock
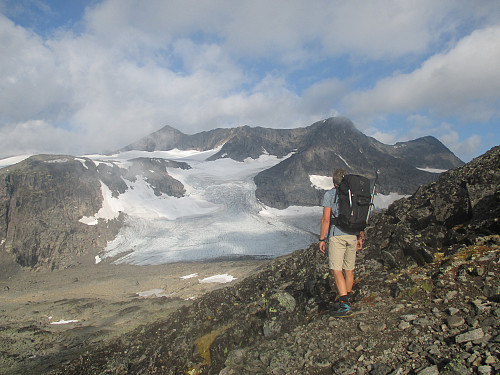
x=484 y=370
x=450 y=295
x=455 y=321
x=475 y=334
x=431 y=370
x=453 y=311
x=409 y=317
x=404 y=325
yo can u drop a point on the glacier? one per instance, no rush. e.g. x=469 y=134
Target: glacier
x=218 y=218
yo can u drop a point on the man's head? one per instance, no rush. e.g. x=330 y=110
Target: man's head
x=338 y=175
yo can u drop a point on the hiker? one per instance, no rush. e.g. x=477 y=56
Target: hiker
x=342 y=246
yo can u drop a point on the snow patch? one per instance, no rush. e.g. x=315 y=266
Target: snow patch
x=292 y=211
x=62 y=321
x=153 y=293
x=432 y=170
x=6 y=162
x=190 y=276
x=110 y=209
x=57 y=161
x=341 y=158
x=383 y=201
x=321 y=182
x=83 y=162
x=222 y=279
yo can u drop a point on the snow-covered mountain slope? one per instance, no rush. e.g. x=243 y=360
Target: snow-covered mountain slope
x=218 y=216
x=317 y=149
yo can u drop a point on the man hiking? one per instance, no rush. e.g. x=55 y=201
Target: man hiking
x=342 y=246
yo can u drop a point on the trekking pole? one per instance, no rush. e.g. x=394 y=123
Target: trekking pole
x=372 y=205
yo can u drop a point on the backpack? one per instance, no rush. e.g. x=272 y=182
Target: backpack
x=354 y=200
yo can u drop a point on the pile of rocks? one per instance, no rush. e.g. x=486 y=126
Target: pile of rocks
x=447 y=324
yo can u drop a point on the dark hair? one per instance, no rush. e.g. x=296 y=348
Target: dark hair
x=338 y=175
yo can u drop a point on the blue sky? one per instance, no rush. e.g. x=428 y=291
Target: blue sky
x=93 y=76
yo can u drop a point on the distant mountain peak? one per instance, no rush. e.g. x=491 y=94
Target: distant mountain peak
x=318 y=149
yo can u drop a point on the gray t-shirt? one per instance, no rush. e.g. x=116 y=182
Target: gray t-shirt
x=329 y=201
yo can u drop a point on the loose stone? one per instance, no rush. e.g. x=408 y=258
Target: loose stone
x=455 y=321
x=475 y=334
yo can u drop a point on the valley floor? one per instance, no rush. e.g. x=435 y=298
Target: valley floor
x=46 y=314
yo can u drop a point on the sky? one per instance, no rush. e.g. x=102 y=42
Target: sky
x=93 y=76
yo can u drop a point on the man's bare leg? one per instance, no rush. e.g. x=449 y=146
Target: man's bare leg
x=349 y=280
x=340 y=282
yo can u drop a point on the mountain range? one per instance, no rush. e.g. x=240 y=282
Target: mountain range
x=315 y=150
x=56 y=207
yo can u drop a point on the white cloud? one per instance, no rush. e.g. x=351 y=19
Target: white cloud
x=464 y=81
x=36 y=136
x=388 y=138
x=134 y=66
x=31 y=83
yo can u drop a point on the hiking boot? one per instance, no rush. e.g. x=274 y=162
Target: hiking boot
x=343 y=310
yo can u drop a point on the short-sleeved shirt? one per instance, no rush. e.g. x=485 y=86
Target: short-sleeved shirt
x=330 y=201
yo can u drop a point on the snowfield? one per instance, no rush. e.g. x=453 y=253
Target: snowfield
x=219 y=216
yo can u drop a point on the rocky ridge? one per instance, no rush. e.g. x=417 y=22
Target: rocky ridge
x=462 y=204
x=436 y=314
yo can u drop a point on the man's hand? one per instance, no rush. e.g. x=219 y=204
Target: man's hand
x=322 y=246
x=359 y=244
x=360 y=241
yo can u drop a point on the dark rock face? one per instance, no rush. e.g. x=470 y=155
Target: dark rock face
x=41 y=201
x=43 y=198
x=462 y=204
x=155 y=173
x=336 y=143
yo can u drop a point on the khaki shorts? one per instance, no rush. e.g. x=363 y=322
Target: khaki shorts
x=342 y=252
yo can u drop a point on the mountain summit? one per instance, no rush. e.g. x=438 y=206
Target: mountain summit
x=314 y=150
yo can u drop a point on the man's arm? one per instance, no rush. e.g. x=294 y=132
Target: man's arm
x=325 y=225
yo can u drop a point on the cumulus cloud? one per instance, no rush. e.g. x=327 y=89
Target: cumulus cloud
x=37 y=136
x=129 y=67
x=464 y=81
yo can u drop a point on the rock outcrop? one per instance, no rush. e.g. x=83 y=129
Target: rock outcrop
x=439 y=218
